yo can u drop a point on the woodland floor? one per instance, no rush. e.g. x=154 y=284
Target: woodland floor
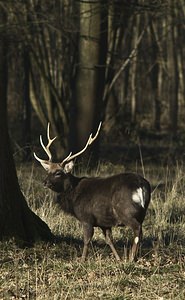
x=54 y=271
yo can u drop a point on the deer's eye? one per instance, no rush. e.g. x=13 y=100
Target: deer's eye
x=58 y=174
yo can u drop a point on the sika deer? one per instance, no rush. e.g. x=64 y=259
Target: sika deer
x=119 y=200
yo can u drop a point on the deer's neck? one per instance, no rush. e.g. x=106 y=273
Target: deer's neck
x=66 y=198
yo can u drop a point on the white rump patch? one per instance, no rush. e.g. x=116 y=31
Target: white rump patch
x=136 y=240
x=139 y=197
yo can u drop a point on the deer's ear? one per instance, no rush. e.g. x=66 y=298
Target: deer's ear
x=68 y=167
x=46 y=165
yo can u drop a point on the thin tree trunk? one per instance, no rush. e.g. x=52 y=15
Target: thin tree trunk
x=133 y=71
x=156 y=76
x=173 y=77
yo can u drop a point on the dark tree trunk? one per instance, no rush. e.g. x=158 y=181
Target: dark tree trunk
x=16 y=219
x=26 y=107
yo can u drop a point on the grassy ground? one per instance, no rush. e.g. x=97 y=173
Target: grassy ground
x=54 y=271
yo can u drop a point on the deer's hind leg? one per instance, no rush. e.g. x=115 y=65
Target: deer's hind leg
x=108 y=238
x=137 y=229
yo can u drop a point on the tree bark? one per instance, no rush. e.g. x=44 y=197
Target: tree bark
x=133 y=71
x=16 y=219
x=156 y=76
x=173 y=77
x=91 y=70
x=26 y=106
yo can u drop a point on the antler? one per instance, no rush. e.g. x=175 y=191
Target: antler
x=89 y=142
x=70 y=156
x=46 y=148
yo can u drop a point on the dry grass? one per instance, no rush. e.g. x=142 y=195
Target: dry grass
x=54 y=271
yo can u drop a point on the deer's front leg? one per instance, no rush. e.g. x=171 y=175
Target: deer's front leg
x=88 y=232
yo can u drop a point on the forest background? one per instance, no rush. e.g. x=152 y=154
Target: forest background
x=74 y=63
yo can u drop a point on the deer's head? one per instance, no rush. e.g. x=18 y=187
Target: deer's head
x=58 y=173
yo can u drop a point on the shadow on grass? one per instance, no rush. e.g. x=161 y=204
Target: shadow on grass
x=70 y=247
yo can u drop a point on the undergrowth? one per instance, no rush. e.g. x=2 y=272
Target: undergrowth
x=54 y=271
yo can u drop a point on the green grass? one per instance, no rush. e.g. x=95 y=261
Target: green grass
x=54 y=271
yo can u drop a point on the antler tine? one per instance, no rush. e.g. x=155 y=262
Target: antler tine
x=89 y=142
x=67 y=158
x=37 y=158
x=50 y=141
x=90 y=137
